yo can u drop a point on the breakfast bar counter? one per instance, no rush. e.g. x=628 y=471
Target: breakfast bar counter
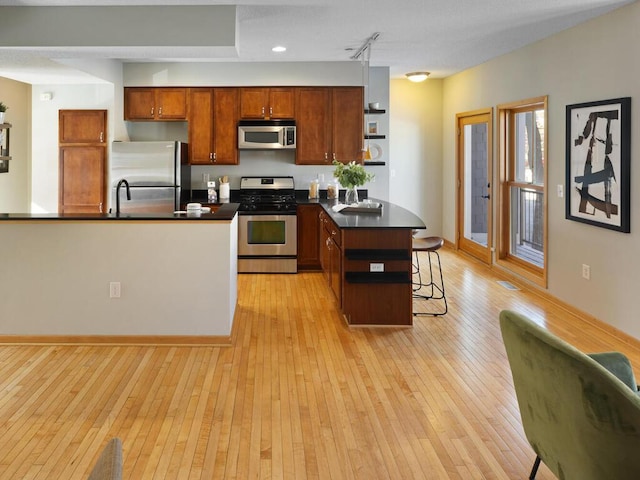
x=139 y=278
x=367 y=260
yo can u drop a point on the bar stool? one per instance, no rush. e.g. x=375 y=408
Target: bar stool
x=432 y=289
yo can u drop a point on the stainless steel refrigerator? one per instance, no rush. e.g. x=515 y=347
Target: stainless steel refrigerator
x=158 y=175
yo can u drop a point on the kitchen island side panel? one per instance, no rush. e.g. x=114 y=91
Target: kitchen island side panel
x=175 y=278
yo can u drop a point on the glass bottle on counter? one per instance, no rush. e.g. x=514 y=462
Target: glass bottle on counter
x=314 y=189
x=332 y=190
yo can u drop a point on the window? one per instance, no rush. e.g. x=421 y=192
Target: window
x=522 y=206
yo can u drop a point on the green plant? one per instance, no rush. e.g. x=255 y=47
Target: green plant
x=351 y=175
x=3 y=107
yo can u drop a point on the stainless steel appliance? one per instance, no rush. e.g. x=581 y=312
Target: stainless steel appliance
x=267 y=225
x=156 y=176
x=266 y=134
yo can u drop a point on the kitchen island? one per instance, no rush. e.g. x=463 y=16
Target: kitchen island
x=135 y=278
x=366 y=258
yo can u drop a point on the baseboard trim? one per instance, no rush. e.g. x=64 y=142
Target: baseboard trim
x=115 y=340
x=570 y=309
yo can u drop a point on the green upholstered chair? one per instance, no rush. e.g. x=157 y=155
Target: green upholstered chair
x=580 y=413
x=109 y=464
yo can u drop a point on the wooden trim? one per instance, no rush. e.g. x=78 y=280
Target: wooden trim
x=164 y=340
x=506 y=142
x=485 y=115
x=130 y=340
x=544 y=294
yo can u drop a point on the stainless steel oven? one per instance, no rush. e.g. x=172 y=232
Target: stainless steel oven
x=267 y=226
x=267 y=243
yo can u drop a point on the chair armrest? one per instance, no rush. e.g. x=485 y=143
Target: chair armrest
x=619 y=365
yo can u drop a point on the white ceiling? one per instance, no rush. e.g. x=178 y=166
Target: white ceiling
x=440 y=36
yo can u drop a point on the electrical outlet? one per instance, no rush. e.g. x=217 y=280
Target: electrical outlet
x=560 y=191
x=586 y=272
x=376 y=267
x=114 y=289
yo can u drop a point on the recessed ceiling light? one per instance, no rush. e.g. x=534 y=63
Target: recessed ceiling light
x=418 y=76
x=279 y=49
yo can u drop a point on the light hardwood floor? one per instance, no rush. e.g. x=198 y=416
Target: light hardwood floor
x=298 y=396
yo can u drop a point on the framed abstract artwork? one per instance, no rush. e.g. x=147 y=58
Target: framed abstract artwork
x=598 y=156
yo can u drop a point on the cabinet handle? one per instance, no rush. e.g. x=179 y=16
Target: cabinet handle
x=152 y=108
x=271 y=111
x=101 y=137
x=262 y=112
x=334 y=155
x=211 y=156
x=100 y=207
x=326 y=156
x=214 y=157
x=160 y=112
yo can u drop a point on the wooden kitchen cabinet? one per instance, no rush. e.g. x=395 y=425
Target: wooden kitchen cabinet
x=82 y=126
x=155 y=103
x=213 y=126
x=267 y=103
x=331 y=254
x=330 y=125
x=82 y=150
x=308 y=217
x=82 y=179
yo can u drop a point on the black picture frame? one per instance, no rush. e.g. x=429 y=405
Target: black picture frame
x=598 y=156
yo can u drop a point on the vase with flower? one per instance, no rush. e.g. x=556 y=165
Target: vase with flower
x=3 y=109
x=351 y=176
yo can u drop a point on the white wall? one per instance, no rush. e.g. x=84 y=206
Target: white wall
x=415 y=166
x=15 y=184
x=56 y=279
x=44 y=180
x=593 y=61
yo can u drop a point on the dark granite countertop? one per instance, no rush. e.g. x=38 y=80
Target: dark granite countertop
x=226 y=212
x=392 y=216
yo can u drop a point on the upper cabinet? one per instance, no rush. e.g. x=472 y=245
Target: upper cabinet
x=330 y=125
x=213 y=126
x=267 y=103
x=151 y=103
x=82 y=126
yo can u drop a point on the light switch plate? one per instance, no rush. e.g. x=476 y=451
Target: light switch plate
x=560 y=191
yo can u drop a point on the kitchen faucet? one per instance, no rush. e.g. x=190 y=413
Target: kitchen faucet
x=126 y=185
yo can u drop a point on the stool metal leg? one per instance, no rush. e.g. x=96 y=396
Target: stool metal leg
x=436 y=290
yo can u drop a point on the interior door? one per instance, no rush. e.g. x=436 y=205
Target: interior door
x=474 y=206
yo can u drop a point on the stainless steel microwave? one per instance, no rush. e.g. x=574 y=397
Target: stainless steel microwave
x=266 y=134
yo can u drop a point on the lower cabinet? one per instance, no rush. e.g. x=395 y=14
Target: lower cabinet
x=309 y=237
x=369 y=270
x=331 y=254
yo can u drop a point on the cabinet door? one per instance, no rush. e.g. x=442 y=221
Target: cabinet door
x=201 y=126
x=335 y=254
x=308 y=237
x=325 y=239
x=225 y=126
x=82 y=126
x=281 y=103
x=171 y=103
x=82 y=179
x=139 y=103
x=253 y=102
x=347 y=123
x=313 y=126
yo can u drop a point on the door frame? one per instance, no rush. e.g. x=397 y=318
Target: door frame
x=484 y=254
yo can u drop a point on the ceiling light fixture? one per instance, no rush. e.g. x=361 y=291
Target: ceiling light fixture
x=418 y=76
x=279 y=49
